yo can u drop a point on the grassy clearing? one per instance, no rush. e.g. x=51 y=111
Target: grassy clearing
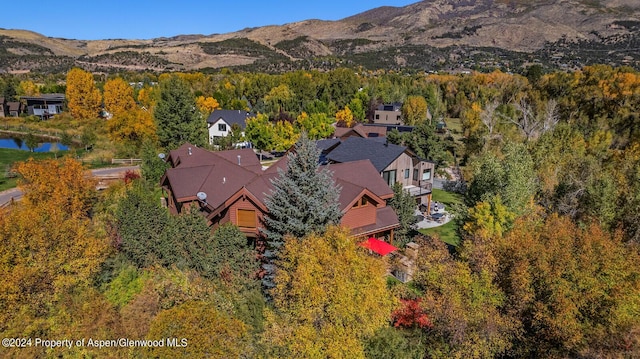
x=447 y=232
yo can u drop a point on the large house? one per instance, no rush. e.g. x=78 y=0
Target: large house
x=388 y=114
x=393 y=163
x=45 y=106
x=220 y=122
x=230 y=186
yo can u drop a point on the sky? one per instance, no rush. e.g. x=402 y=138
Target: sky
x=148 y=19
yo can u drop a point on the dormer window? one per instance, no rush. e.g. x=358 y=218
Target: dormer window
x=361 y=202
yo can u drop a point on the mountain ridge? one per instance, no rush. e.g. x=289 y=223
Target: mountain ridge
x=447 y=34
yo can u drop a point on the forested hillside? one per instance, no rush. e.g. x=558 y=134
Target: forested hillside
x=547 y=265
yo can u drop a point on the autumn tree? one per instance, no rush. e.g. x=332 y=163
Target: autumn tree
x=83 y=98
x=414 y=110
x=573 y=291
x=284 y=135
x=50 y=249
x=259 y=131
x=28 y=88
x=132 y=127
x=207 y=105
x=330 y=297
x=208 y=332
x=316 y=125
x=118 y=97
x=177 y=118
x=464 y=306
x=345 y=117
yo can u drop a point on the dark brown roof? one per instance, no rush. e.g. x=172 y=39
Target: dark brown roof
x=363 y=174
x=386 y=219
x=221 y=179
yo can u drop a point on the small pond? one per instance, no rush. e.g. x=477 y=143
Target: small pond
x=20 y=144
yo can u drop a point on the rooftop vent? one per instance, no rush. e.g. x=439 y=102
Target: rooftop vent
x=189 y=151
x=239 y=160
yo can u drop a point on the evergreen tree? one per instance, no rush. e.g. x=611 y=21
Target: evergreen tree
x=405 y=206
x=177 y=117
x=304 y=198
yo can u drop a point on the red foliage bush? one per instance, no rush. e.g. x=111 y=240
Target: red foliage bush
x=130 y=175
x=411 y=315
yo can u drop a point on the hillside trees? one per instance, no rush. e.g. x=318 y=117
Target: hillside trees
x=51 y=248
x=330 y=297
x=177 y=118
x=83 y=97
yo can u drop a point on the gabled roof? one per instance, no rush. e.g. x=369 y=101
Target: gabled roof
x=55 y=97
x=362 y=175
x=14 y=106
x=381 y=154
x=230 y=116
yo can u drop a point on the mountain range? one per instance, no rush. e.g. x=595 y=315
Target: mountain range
x=429 y=35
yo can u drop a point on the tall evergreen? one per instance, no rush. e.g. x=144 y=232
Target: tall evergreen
x=304 y=198
x=177 y=118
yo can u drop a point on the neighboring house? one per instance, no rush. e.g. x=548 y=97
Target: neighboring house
x=369 y=130
x=388 y=114
x=14 y=108
x=394 y=163
x=236 y=186
x=44 y=106
x=220 y=122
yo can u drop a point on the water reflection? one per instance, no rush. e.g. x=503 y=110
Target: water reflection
x=19 y=144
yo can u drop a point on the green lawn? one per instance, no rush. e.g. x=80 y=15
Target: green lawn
x=447 y=232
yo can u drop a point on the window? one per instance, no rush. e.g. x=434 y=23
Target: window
x=398 y=118
x=361 y=202
x=406 y=173
x=389 y=177
x=377 y=117
x=415 y=174
x=247 y=218
x=222 y=127
x=426 y=174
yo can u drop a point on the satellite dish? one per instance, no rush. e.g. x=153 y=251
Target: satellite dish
x=161 y=155
x=202 y=197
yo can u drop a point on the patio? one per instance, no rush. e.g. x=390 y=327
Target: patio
x=436 y=218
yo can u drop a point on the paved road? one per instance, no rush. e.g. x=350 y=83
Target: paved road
x=16 y=194
x=439 y=183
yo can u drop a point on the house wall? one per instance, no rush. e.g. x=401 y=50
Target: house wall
x=402 y=163
x=359 y=217
x=387 y=117
x=421 y=166
x=214 y=132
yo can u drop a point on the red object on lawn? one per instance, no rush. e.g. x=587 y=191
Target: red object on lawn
x=381 y=247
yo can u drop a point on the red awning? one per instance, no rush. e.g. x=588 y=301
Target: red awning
x=381 y=247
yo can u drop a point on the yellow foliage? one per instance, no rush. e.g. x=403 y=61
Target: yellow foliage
x=49 y=243
x=118 y=96
x=207 y=105
x=28 y=88
x=330 y=296
x=345 y=116
x=83 y=98
x=132 y=126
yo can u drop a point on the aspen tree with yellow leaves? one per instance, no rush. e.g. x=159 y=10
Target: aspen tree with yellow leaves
x=83 y=97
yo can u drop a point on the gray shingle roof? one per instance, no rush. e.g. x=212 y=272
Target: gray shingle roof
x=230 y=116
x=380 y=154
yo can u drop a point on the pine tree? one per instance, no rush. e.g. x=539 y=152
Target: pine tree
x=304 y=198
x=177 y=118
